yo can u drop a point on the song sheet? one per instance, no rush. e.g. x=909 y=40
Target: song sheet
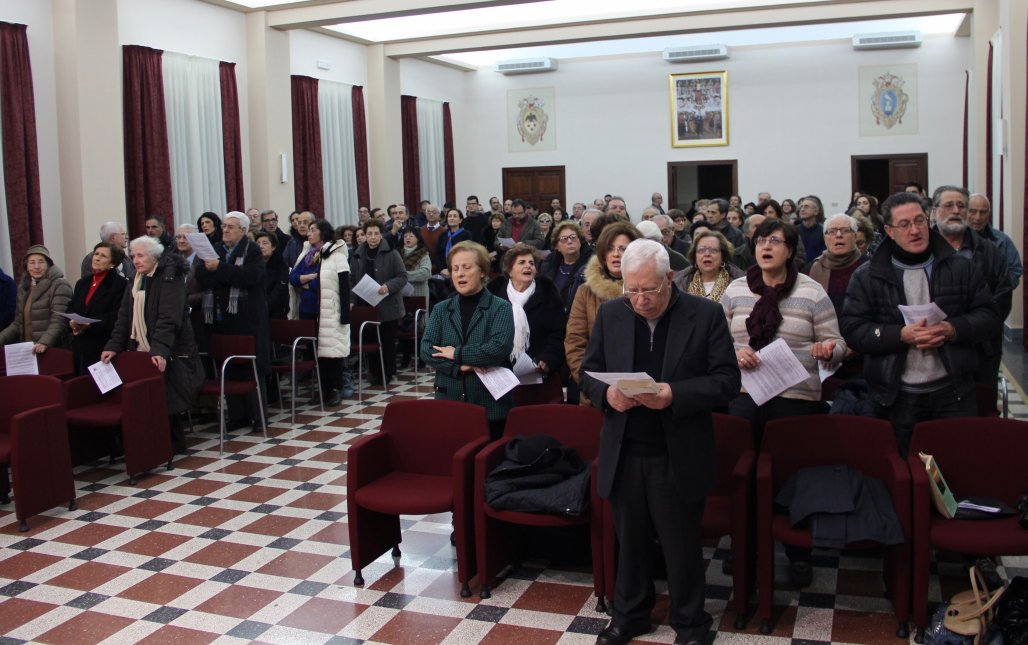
x=779 y=370
x=367 y=289
x=498 y=380
x=105 y=376
x=21 y=358
x=930 y=313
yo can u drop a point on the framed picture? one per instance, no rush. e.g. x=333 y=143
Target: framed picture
x=699 y=109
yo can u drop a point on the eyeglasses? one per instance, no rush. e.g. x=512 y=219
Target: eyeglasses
x=269 y=219
x=842 y=230
x=620 y=250
x=708 y=250
x=773 y=241
x=567 y=238
x=229 y=227
x=635 y=293
x=918 y=221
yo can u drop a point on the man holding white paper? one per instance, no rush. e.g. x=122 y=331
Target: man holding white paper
x=657 y=460
x=918 y=371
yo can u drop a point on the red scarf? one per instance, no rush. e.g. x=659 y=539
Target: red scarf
x=97 y=279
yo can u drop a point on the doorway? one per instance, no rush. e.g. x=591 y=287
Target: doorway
x=884 y=175
x=691 y=180
x=537 y=185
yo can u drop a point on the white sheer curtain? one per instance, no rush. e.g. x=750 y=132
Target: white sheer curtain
x=430 y=151
x=339 y=165
x=5 y=229
x=192 y=103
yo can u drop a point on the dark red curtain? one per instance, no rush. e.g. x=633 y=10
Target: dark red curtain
x=451 y=178
x=411 y=158
x=231 y=138
x=21 y=158
x=1024 y=224
x=147 y=161
x=360 y=146
x=967 y=81
x=307 y=165
x=988 y=133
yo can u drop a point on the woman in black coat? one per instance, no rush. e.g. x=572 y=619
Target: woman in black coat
x=539 y=332
x=97 y=295
x=276 y=277
x=453 y=235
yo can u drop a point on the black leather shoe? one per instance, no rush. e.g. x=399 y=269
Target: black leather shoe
x=615 y=635
x=333 y=398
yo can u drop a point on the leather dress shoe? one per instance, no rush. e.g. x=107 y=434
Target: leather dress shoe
x=615 y=635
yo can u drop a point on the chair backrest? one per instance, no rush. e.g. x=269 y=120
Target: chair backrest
x=284 y=332
x=425 y=433
x=576 y=426
x=134 y=366
x=410 y=303
x=977 y=456
x=359 y=315
x=862 y=443
x=55 y=361
x=734 y=438
x=224 y=345
x=21 y=393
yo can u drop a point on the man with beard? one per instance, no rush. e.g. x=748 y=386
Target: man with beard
x=520 y=227
x=949 y=204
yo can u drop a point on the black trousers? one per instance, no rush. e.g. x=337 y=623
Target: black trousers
x=909 y=408
x=388 y=332
x=646 y=504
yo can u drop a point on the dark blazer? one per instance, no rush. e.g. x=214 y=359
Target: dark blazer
x=104 y=304
x=546 y=320
x=699 y=365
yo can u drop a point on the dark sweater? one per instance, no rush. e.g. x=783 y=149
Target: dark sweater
x=644 y=432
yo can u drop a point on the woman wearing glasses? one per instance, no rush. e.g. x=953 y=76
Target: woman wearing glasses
x=602 y=283
x=710 y=271
x=564 y=264
x=775 y=301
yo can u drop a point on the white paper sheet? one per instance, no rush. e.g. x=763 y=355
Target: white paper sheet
x=779 y=370
x=105 y=376
x=367 y=289
x=505 y=242
x=75 y=318
x=407 y=291
x=526 y=370
x=21 y=358
x=930 y=313
x=498 y=380
x=202 y=246
x=824 y=371
x=630 y=383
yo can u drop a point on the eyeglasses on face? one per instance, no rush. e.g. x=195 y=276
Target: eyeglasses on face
x=708 y=250
x=774 y=241
x=841 y=230
x=567 y=238
x=635 y=293
x=905 y=225
x=620 y=250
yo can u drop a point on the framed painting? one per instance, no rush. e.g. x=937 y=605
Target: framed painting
x=699 y=109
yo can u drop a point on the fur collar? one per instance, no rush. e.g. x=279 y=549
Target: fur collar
x=596 y=278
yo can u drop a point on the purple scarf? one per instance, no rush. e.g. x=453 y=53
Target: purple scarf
x=763 y=322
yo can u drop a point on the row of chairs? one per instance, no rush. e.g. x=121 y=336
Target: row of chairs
x=433 y=456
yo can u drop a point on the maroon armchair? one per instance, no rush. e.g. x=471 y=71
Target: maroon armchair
x=496 y=534
x=138 y=406
x=549 y=391
x=861 y=443
x=420 y=462
x=977 y=456
x=726 y=511
x=34 y=446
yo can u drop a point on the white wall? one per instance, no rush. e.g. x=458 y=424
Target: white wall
x=348 y=62
x=197 y=29
x=38 y=16
x=792 y=121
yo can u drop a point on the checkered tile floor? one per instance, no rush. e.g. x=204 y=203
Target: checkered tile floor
x=254 y=547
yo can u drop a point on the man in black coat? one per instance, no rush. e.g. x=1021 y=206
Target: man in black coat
x=234 y=303
x=657 y=453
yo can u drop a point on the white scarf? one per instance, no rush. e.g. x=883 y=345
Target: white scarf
x=521 y=330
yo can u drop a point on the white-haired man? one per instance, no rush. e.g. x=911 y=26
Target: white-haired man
x=657 y=455
x=113 y=233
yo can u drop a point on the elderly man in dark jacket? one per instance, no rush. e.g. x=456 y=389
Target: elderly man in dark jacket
x=234 y=303
x=918 y=370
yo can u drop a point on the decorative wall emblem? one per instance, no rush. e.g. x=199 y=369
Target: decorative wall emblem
x=532 y=119
x=889 y=102
x=531 y=122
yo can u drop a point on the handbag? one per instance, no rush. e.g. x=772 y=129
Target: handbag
x=970 y=613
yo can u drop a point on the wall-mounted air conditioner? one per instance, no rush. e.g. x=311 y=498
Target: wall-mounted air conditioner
x=525 y=66
x=695 y=54
x=887 y=40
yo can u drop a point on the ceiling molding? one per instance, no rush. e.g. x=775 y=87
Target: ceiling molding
x=335 y=13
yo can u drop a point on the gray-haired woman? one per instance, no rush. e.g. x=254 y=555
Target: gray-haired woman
x=154 y=318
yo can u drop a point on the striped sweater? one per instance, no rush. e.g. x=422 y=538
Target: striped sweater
x=807 y=317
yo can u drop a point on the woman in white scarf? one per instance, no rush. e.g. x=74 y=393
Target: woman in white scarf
x=539 y=320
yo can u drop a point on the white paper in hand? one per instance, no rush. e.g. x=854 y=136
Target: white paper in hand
x=630 y=383
x=929 y=313
x=201 y=246
x=526 y=371
x=498 y=380
x=21 y=359
x=779 y=370
x=75 y=318
x=505 y=242
x=367 y=289
x=105 y=376
x=407 y=291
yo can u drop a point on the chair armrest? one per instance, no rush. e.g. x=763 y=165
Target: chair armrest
x=296 y=344
x=367 y=460
x=765 y=492
x=742 y=480
x=488 y=458
x=920 y=503
x=236 y=357
x=899 y=489
x=464 y=477
x=80 y=392
x=378 y=332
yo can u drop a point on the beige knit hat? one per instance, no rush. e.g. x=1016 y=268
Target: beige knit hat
x=37 y=249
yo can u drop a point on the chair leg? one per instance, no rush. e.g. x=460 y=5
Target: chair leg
x=903 y=631
x=381 y=362
x=358 y=579
x=396 y=551
x=601 y=604
x=484 y=593
x=221 y=421
x=321 y=392
x=465 y=590
x=73 y=506
x=189 y=420
x=23 y=526
x=766 y=626
x=360 y=377
x=919 y=635
x=260 y=400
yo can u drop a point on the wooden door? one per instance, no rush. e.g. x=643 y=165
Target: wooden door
x=536 y=185
x=884 y=175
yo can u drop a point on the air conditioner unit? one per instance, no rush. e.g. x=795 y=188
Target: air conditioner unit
x=525 y=66
x=695 y=54
x=887 y=40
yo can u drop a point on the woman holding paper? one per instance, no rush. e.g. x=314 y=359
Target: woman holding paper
x=43 y=295
x=378 y=261
x=153 y=318
x=98 y=296
x=321 y=292
x=539 y=320
x=473 y=329
x=418 y=263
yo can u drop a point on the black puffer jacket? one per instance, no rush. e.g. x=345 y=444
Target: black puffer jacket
x=871 y=320
x=539 y=475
